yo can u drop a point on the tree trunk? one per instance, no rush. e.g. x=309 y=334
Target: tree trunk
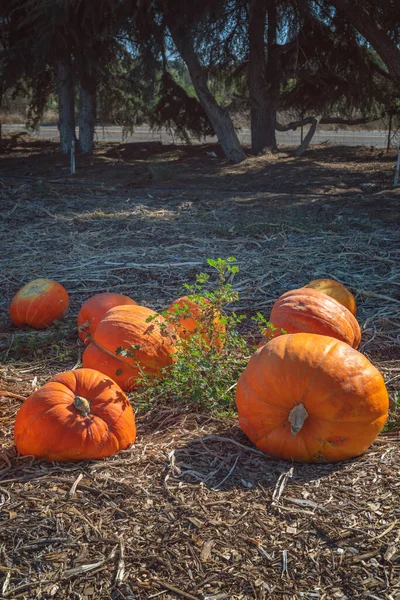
x=273 y=68
x=373 y=32
x=306 y=142
x=87 y=117
x=263 y=76
x=260 y=128
x=263 y=120
x=66 y=114
x=219 y=117
x=388 y=138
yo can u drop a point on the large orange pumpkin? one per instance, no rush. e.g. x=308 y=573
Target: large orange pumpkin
x=39 y=303
x=311 y=398
x=191 y=317
x=309 y=311
x=151 y=344
x=78 y=415
x=94 y=309
x=335 y=290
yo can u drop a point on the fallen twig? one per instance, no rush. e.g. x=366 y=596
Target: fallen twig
x=12 y=395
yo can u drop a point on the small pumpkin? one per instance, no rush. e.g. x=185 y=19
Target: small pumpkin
x=151 y=344
x=335 y=290
x=94 y=309
x=306 y=310
x=191 y=317
x=78 y=415
x=121 y=372
x=311 y=398
x=39 y=303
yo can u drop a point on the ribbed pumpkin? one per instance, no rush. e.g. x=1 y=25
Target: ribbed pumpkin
x=126 y=328
x=121 y=372
x=78 y=415
x=94 y=309
x=335 y=290
x=190 y=317
x=311 y=398
x=308 y=311
x=39 y=303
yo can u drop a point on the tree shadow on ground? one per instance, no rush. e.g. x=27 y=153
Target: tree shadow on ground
x=320 y=169
x=333 y=169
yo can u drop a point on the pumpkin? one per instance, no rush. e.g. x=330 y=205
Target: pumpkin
x=197 y=317
x=151 y=344
x=39 y=303
x=121 y=372
x=309 y=311
x=335 y=290
x=311 y=398
x=94 y=309
x=78 y=415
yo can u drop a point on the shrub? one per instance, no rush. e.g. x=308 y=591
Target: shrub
x=205 y=374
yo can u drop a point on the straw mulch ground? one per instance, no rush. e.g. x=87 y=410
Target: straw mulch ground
x=193 y=510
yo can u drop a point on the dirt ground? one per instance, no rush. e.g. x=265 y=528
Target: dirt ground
x=193 y=510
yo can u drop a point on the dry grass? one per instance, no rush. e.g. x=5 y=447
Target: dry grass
x=193 y=510
x=17 y=118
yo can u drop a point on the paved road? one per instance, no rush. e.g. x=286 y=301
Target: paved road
x=113 y=133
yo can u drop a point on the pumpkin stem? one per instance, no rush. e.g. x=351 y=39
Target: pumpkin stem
x=297 y=417
x=84 y=326
x=82 y=405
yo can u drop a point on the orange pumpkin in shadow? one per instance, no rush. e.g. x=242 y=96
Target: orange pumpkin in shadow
x=78 y=415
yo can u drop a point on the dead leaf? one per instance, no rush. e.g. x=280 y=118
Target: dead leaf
x=206 y=550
